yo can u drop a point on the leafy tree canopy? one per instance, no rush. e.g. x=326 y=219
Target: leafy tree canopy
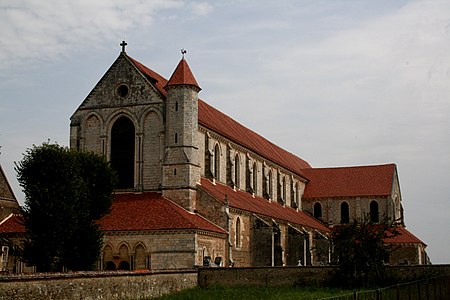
x=66 y=192
x=360 y=251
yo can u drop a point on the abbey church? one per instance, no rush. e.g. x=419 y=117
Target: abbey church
x=198 y=188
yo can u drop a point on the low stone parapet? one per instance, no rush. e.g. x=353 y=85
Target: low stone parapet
x=96 y=285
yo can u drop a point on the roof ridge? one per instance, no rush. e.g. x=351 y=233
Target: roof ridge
x=6 y=219
x=193 y=213
x=278 y=153
x=173 y=203
x=352 y=167
x=207 y=117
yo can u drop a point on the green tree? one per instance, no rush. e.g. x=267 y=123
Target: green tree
x=66 y=193
x=359 y=252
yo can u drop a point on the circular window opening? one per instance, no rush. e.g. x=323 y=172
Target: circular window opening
x=122 y=90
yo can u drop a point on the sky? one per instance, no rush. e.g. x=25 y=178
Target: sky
x=338 y=83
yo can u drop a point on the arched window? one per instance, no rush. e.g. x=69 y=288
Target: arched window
x=122 y=151
x=216 y=162
x=124 y=257
x=318 y=211
x=281 y=188
x=238 y=233
x=345 y=213
x=374 y=215
x=140 y=258
x=270 y=185
x=294 y=195
x=124 y=265
x=108 y=259
x=237 y=172
x=255 y=178
x=110 y=266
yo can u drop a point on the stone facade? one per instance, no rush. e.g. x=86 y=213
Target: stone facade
x=332 y=208
x=159 y=250
x=92 y=123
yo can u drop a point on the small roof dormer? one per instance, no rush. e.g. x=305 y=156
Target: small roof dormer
x=182 y=76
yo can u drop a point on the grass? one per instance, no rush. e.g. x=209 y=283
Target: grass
x=248 y=293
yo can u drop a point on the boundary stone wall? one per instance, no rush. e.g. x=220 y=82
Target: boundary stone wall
x=265 y=276
x=304 y=276
x=138 y=285
x=96 y=285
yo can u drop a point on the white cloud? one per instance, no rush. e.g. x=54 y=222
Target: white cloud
x=201 y=8
x=388 y=75
x=44 y=29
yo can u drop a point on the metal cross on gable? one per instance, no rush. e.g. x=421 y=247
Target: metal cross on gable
x=123 y=44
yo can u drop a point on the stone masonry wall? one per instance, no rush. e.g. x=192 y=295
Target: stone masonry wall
x=303 y=276
x=358 y=207
x=126 y=285
x=265 y=276
x=168 y=250
x=132 y=285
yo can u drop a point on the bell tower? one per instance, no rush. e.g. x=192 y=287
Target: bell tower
x=181 y=168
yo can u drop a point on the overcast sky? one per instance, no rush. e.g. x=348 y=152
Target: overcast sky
x=339 y=83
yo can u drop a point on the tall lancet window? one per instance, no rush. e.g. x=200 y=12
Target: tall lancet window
x=318 y=211
x=345 y=213
x=216 y=162
x=122 y=151
x=237 y=172
x=255 y=178
x=270 y=185
x=374 y=215
x=238 y=233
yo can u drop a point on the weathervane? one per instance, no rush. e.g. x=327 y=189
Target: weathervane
x=183 y=52
x=123 y=44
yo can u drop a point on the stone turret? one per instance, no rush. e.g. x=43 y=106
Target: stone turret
x=181 y=168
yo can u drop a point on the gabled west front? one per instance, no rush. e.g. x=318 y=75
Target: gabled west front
x=198 y=188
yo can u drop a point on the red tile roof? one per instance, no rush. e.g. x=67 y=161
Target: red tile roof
x=158 y=81
x=213 y=119
x=217 y=121
x=245 y=201
x=182 y=75
x=151 y=211
x=403 y=237
x=350 y=181
x=12 y=224
x=130 y=212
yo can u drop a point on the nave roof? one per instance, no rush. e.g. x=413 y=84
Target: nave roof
x=260 y=206
x=360 y=181
x=224 y=125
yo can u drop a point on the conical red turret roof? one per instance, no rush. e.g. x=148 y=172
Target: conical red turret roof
x=182 y=75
